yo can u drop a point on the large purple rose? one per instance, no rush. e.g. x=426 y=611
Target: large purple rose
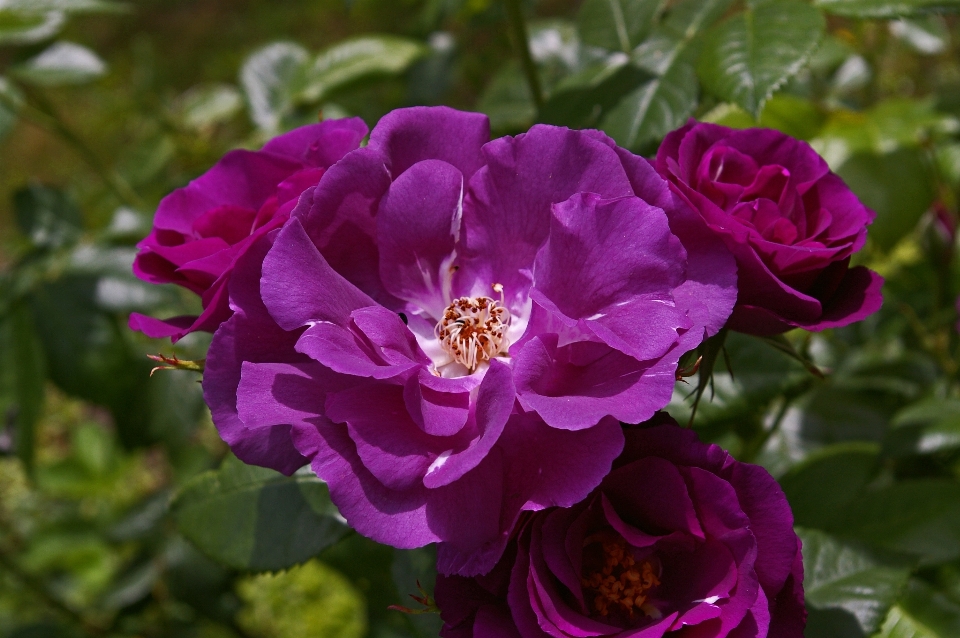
x=201 y=230
x=679 y=540
x=449 y=329
x=791 y=223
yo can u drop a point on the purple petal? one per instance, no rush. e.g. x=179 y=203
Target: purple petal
x=299 y=287
x=523 y=178
x=407 y=136
x=321 y=144
x=417 y=223
x=666 y=506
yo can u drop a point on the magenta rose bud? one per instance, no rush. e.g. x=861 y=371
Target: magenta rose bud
x=791 y=223
x=448 y=328
x=201 y=230
x=679 y=540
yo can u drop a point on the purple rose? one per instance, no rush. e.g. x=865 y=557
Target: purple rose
x=679 y=540
x=202 y=229
x=449 y=329
x=791 y=223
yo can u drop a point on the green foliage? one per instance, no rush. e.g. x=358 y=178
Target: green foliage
x=749 y=56
x=108 y=503
x=256 y=519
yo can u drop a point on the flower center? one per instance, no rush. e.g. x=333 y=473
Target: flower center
x=616 y=582
x=474 y=329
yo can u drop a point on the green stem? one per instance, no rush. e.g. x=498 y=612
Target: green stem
x=43 y=115
x=519 y=28
x=755 y=446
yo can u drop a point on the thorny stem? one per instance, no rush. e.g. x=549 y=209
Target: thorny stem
x=43 y=115
x=519 y=28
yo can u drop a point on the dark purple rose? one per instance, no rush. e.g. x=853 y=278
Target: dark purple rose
x=201 y=230
x=679 y=540
x=449 y=329
x=791 y=223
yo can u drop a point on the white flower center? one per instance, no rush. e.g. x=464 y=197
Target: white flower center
x=474 y=329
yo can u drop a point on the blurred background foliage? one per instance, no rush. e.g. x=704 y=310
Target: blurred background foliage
x=121 y=511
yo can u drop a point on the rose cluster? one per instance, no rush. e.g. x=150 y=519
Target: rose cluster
x=453 y=331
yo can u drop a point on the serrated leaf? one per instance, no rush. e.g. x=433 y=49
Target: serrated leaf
x=663 y=103
x=62 y=63
x=256 y=519
x=616 y=24
x=885 y=8
x=268 y=77
x=25 y=28
x=747 y=57
x=847 y=587
x=355 y=59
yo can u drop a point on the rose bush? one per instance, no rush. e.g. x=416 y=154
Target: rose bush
x=449 y=329
x=200 y=231
x=679 y=540
x=791 y=223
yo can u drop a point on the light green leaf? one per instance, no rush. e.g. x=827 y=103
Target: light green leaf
x=922 y=612
x=356 y=59
x=747 y=57
x=616 y=24
x=885 y=8
x=256 y=519
x=929 y=35
x=26 y=28
x=62 y=63
x=663 y=103
x=207 y=105
x=67 y=6
x=269 y=76
x=848 y=589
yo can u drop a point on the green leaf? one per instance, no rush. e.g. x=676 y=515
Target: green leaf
x=67 y=6
x=821 y=487
x=885 y=8
x=26 y=28
x=919 y=517
x=62 y=63
x=268 y=77
x=11 y=100
x=506 y=100
x=256 y=519
x=921 y=612
x=665 y=102
x=747 y=57
x=848 y=589
x=410 y=568
x=616 y=24
x=30 y=382
x=47 y=216
x=929 y=35
x=356 y=59
x=206 y=105
x=898 y=186
x=926 y=427
x=580 y=100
